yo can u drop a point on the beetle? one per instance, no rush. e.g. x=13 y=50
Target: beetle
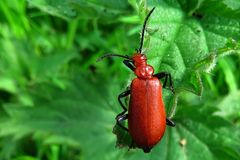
x=146 y=115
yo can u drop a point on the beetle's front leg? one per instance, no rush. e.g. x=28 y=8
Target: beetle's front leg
x=167 y=77
x=170 y=122
x=129 y=64
x=122 y=116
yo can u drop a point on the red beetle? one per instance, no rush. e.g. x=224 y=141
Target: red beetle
x=146 y=116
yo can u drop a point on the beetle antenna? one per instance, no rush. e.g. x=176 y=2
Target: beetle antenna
x=143 y=30
x=113 y=55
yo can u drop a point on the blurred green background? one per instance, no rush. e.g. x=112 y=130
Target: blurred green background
x=58 y=103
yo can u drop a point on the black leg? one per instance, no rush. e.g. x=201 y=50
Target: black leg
x=167 y=77
x=131 y=145
x=170 y=122
x=122 y=116
x=122 y=95
x=147 y=149
x=129 y=64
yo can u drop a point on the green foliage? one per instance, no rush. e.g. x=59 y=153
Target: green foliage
x=57 y=103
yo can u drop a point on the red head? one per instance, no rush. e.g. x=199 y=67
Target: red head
x=142 y=70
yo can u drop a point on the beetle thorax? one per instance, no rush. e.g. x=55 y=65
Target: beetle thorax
x=142 y=70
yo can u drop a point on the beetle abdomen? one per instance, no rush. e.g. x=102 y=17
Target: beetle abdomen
x=146 y=116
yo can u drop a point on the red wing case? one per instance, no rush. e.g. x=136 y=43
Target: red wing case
x=146 y=116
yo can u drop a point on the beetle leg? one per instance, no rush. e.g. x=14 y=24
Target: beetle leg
x=167 y=77
x=170 y=122
x=146 y=149
x=129 y=64
x=122 y=95
x=122 y=116
x=131 y=145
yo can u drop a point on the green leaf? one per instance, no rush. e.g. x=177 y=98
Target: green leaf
x=48 y=66
x=8 y=147
x=212 y=133
x=25 y=158
x=229 y=107
x=227 y=8
x=81 y=112
x=86 y=9
x=185 y=46
x=81 y=116
x=191 y=135
x=78 y=116
x=59 y=8
x=8 y=84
